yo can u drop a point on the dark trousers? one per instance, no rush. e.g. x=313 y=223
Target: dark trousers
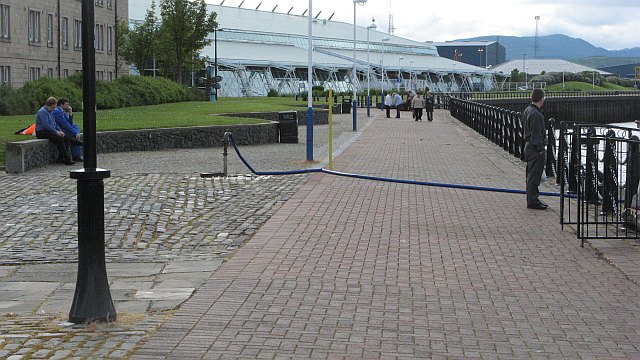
x=535 y=166
x=388 y=109
x=398 y=111
x=418 y=113
x=58 y=141
x=430 y=114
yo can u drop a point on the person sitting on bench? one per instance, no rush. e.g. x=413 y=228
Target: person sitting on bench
x=46 y=128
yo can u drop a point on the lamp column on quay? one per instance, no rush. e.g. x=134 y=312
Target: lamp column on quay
x=480 y=52
x=92 y=300
x=355 y=74
x=370 y=27
x=384 y=39
x=411 y=74
x=524 y=69
x=399 y=72
x=310 y=85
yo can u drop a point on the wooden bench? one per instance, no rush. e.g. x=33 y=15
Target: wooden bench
x=25 y=155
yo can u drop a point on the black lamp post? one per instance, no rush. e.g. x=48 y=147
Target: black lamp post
x=92 y=299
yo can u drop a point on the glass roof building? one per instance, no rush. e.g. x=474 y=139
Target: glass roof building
x=259 y=51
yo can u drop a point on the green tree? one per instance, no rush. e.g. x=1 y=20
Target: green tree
x=183 y=34
x=139 y=45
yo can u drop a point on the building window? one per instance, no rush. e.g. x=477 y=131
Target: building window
x=101 y=33
x=65 y=73
x=5 y=28
x=77 y=33
x=65 y=32
x=50 y=30
x=98 y=41
x=5 y=75
x=99 y=2
x=34 y=26
x=99 y=75
x=34 y=73
x=50 y=72
x=110 y=75
x=109 y=6
x=109 y=39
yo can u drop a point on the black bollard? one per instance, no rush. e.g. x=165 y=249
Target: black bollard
x=633 y=171
x=591 y=166
x=610 y=181
x=551 y=146
x=573 y=160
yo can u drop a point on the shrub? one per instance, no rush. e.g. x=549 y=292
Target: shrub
x=272 y=93
x=124 y=91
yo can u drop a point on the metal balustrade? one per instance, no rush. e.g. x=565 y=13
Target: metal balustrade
x=600 y=164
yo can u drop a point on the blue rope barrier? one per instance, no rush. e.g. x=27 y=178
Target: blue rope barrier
x=399 y=181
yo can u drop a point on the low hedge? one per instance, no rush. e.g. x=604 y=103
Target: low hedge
x=122 y=92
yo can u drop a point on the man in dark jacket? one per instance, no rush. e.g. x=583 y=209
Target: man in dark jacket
x=535 y=136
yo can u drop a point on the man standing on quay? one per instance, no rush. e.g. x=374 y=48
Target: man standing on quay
x=534 y=148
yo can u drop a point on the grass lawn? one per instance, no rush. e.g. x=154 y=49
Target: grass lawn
x=160 y=116
x=582 y=86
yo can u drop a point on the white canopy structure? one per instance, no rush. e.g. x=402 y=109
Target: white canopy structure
x=259 y=51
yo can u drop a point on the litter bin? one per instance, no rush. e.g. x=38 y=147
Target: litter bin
x=346 y=106
x=288 y=126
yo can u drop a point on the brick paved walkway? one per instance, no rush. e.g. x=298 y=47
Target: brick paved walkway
x=351 y=268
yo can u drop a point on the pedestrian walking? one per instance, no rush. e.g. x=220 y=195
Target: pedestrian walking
x=388 y=102
x=429 y=103
x=418 y=103
x=398 y=102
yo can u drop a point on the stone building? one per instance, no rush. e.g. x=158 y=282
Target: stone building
x=43 y=38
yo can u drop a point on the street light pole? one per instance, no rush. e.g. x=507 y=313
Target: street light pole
x=370 y=27
x=480 y=51
x=92 y=299
x=399 y=72
x=411 y=74
x=384 y=39
x=524 y=68
x=355 y=74
x=310 y=85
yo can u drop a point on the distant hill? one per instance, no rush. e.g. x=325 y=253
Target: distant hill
x=556 y=47
x=603 y=61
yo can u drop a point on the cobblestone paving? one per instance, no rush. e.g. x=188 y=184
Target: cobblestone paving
x=147 y=217
x=157 y=210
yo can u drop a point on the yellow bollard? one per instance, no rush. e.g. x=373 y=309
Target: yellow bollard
x=330 y=129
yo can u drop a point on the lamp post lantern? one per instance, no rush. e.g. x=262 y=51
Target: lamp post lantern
x=355 y=74
x=370 y=27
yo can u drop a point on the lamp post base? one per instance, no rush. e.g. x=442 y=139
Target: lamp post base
x=92 y=299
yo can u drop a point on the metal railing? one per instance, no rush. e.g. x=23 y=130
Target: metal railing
x=501 y=126
x=598 y=164
x=601 y=165
x=549 y=94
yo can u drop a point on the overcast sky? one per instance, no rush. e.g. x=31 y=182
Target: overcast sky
x=611 y=24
